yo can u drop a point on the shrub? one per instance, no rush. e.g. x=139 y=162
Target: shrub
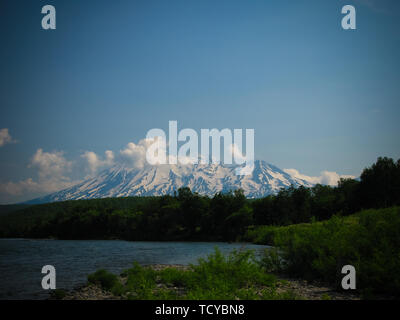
x=175 y=277
x=106 y=279
x=140 y=282
x=368 y=240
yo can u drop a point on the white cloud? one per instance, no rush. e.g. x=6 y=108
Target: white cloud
x=18 y=188
x=152 y=151
x=134 y=155
x=50 y=164
x=95 y=163
x=54 y=170
x=52 y=175
x=5 y=137
x=327 y=177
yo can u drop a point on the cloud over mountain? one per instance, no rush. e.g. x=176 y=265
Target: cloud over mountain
x=327 y=177
x=94 y=162
x=127 y=172
x=52 y=175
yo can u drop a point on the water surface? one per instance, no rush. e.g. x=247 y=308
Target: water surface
x=21 y=260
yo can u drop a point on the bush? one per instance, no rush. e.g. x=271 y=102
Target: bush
x=140 y=282
x=272 y=260
x=175 y=277
x=104 y=278
x=368 y=240
x=260 y=235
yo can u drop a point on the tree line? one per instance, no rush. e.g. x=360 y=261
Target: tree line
x=190 y=216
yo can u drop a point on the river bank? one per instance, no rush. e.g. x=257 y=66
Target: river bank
x=284 y=287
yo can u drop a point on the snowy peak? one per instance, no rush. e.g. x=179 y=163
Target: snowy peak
x=120 y=181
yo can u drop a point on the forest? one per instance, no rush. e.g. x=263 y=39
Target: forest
x=188 y=216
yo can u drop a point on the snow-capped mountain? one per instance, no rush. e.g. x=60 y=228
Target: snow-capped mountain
x=120 y=181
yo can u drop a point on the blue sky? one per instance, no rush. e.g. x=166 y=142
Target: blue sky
x=319 y=97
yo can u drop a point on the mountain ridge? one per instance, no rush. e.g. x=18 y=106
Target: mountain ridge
x=121 y=181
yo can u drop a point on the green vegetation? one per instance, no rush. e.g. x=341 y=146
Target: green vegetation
x=368 y=240
x=185 y=216
x=315 y=232
x=8 y=208
x=189 y=216
x=235 y=276
x=106 y=279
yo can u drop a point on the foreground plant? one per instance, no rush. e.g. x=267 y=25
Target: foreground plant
x=235 y=276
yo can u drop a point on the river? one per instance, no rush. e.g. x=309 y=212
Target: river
x=21 y=260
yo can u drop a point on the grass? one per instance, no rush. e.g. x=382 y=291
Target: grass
x=228 y=277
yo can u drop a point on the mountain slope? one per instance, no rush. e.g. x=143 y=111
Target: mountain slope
x=120 y=181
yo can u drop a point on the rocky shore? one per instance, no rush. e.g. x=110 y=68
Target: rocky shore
x=313 y=290
x=302 y=289
x=95 y=292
